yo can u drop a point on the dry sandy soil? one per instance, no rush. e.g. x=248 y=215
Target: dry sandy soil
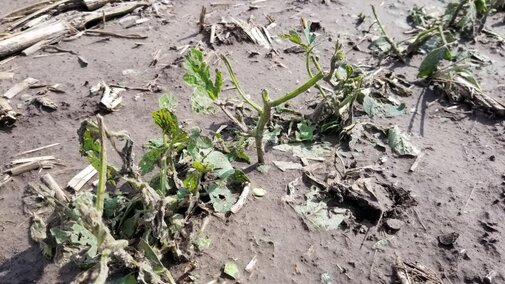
x=465 y=151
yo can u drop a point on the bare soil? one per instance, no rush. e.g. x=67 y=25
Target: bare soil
x=459 y=185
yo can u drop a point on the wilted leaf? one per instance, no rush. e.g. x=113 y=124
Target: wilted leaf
x=202 y=243
x=432 y=60
x=326 y=278
x=151 y=255
x=231 y=269
x=166 y=120
x=381 y=244
x=375 y=108
x=285 y=166
x=381 y=45
x=400 y=143
x=177 y=222
x=272 y=137
x=263 y=169
x=316 y=152
x=318 y=215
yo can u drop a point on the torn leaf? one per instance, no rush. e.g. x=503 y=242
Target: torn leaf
x=400 y=143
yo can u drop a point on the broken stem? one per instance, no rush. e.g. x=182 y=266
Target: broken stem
x=442 y=36
x=386 y=36
x=456 y=12
x=102 y=174
x=242 y=126
x=260 y=128
x=237 y=85
x=293 y=94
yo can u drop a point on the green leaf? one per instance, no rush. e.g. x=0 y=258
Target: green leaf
x=375 y=108
x=238 y=177
x=197 y=143
x=400 y=143
x=129 y=226
x=198 y=76
x=221 y=167
x=305 y=132
x=295 y=38
x=481 y=5
x=201 y=167
x=150 y=159
x=221 y=198
x=231 y=269
x=167 y=121
x=192 y=181
x=155 y=183
x=310 y=37
x=432 y=60
x=128 y=279
x=60 y=236
x=168 y=101
x=84 y=237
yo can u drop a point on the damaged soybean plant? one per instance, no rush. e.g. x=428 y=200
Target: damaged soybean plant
x=129 y=230
x=448 y=64
x=346 y=92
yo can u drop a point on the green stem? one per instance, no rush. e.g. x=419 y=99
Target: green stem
x=293 y=94
x=386 y=36
x=102 y=174
x=308 y=58
x=164 y=167
x=260 y=127
x=237 y=85
x=441 y=31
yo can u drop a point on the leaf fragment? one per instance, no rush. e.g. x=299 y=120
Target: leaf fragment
x=400 y=143
x=231 y=269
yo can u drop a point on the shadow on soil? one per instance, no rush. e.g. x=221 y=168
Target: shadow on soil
x=28 y=267
x=25 y=267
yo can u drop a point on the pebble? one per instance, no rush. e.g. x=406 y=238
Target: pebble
x=448 y=239
x=394 y=224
